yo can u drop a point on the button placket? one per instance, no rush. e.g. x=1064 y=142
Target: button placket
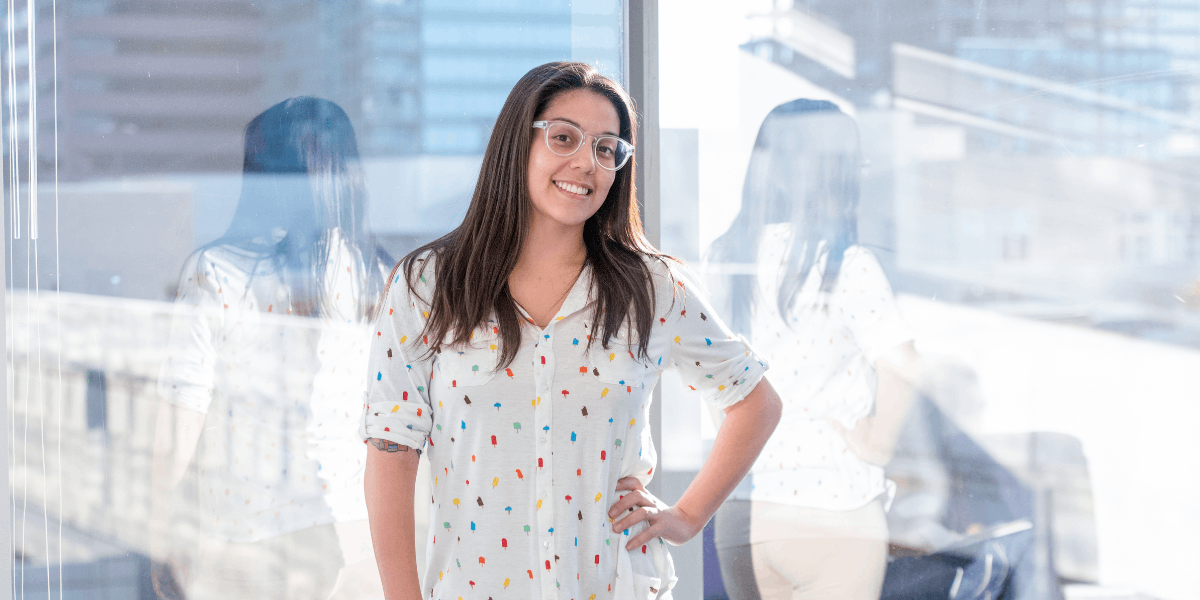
x=543 y=415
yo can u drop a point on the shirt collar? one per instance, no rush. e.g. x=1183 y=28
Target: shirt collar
x=580 y=296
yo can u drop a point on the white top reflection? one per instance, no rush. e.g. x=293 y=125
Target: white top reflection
x=281 y=393
x=824 y=352
x=268 y=353
x=815 y=303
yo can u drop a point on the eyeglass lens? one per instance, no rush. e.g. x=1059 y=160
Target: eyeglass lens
x=564 y=139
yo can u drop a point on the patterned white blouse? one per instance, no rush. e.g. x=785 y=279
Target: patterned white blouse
x=526 y=458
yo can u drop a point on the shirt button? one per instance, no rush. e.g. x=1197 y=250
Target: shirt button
x=547 y=544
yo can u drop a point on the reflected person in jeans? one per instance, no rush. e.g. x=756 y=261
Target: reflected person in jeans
x=808 y=521
x=268 y=358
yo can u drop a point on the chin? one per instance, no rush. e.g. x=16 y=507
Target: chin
x=567 y=215
x=572 y=220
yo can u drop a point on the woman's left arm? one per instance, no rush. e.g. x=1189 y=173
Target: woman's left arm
x=747 y=426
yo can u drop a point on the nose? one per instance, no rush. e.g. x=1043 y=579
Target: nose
x=584 y=158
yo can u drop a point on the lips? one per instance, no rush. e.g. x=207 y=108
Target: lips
x=573 y=188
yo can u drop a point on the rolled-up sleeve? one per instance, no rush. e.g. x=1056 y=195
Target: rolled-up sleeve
x=396 y=405
x=186 y=376
x=707 y=355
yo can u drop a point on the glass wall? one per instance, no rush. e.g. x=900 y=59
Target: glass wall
x=965 y=235
x=1024 y=210
x=153 y=257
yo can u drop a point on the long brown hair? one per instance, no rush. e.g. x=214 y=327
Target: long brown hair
x=473 y=262
x=804 y=171
x=303 y=192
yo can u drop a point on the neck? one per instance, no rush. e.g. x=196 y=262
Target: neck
x=550 y=246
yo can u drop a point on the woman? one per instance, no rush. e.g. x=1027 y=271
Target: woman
x=269 y=345
x=524 y=346
x=808 y=522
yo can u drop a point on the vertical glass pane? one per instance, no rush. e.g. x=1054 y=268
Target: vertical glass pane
x=1010 y=189
x=203 y=200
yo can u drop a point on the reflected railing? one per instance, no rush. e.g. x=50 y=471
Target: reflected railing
x=83 y=451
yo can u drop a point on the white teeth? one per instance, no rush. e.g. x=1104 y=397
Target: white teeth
x=574 y=189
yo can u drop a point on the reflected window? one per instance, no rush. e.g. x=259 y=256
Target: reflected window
x=1027 y=192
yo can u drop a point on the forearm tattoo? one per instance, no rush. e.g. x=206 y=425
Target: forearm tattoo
x=390 y=446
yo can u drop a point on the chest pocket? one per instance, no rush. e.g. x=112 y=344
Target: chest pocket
x=618 y=365
x=473 y=364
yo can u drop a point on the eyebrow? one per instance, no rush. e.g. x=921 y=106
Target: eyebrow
x=581 y=126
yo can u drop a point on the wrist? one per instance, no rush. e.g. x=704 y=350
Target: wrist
x=693 y=519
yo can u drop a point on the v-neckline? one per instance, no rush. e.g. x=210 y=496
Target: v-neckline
x=576 y=298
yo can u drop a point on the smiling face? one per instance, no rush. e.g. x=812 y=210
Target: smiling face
x=568 y=190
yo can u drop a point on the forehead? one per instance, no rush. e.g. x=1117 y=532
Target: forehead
x=591 y=111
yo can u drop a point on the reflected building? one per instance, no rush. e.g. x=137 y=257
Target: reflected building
x=152 y=87
x=443 y=89
x=1006 y=141
x=147 y=86
x=934 y=25
x=428 y=78
x=423 y=78
x=1135 y=54
x=1136 y=25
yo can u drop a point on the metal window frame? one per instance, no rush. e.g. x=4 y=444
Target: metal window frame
x=6 y=525
x=640 y=71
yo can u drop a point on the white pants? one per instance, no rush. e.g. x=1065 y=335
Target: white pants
x=778 y=552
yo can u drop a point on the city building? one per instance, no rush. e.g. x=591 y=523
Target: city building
x=146 y=87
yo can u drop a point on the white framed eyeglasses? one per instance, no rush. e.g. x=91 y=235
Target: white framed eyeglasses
x=565 y=139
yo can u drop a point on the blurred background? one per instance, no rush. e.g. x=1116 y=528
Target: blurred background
x=1031 y=190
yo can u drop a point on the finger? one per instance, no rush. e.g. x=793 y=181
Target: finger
x=629 y=484
x=631 y=519
x=628 y=502
x=644 y=498
x=646 y=536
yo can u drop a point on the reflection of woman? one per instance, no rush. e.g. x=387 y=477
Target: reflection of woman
x=269 y=346
x=808 y=522
x=524 y=346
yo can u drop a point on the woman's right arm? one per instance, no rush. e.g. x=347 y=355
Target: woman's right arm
x=390 y=482
x=185 y=385
x=176 y=432
x=397 y=419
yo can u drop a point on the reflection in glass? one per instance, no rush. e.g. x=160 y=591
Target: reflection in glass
x=810 y=516
x=141 y=109
x=265 y=369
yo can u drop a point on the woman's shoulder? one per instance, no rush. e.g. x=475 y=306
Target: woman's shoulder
x=860 y=263
x=671 y=278
x=218 y=265
x=861 y=278
x=413 y=277
x=218 y=254
x=663 y=268
x=859 y=253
